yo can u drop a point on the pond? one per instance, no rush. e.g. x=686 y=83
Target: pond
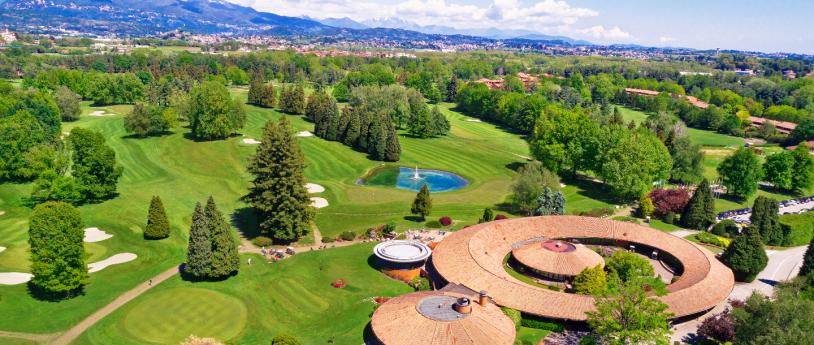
x=405 y=178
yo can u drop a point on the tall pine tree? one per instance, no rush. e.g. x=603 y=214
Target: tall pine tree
x=225 y=260
x=278 y=192
x=392 y=150
x=745 y=256
x=765 y=220
x=808 y=259
x=699 y=213
x=158 y=226
x=422 y=205
x=199 y=249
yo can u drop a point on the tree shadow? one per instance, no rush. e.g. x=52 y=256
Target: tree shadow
x=368 y=337
x=189 y=136
x=194 y=279
x=416 y=219
x=769 y=282
x=245 y=220
x=48 y=296
x=374 y=262
x=151 y=135
x=591 y=189
x=514 y=166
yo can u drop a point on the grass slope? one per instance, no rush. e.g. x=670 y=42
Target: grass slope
x=293 y=296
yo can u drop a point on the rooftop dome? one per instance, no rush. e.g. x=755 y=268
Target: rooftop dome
x=402 y=251
x=557 y=257
x=436 y=317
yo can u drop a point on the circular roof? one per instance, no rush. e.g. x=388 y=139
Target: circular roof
x=428 y=318
x=557 y=257
x=473 y=257
x=402 y=251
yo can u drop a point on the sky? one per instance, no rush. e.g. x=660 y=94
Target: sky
x=767 y=26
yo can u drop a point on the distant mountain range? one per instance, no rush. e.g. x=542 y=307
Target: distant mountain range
x=153 y=17
x=494 y=33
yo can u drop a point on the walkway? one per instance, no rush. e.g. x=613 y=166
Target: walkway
x=783 y=265
x=75 y=331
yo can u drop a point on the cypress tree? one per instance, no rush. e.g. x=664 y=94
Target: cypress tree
x=745 y=256
x=278 y=192
x=808 y=259
x=392 y=150
x=452 y=88
x=699 y=213
x=158 y=226
x=57 y=252
x=199 y=249
x=377 y=141
x=422 y=205
x=353 y=129
x=766 y=220
x=225 y=259
x=488 y=216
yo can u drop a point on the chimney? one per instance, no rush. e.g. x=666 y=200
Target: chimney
x=483 y=298
x=463 y=305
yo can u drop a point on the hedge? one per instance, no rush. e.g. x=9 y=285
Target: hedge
x=262 y=241
x=798 y=228
x=326 y=239
x=540 y=324
x=348 y=235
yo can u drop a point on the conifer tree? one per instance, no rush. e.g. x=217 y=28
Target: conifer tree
x=808 y=260
x=255 y=91
x=199 y=249
x=292 y=99
x=550 y=203
x=392 y=151
x=158 y=226
x=225 y=260
x=377 y=141
x=452 y=88
x=488 y=216
x=422 y=205
x=765 y=220
x=353 y=129
x=745 y=256
x=278 y=192
x=699 y=213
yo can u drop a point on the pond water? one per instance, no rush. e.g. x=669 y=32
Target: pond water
x=405 y=178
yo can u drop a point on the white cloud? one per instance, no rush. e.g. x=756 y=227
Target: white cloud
x=599 y=32
x=507 y=14
x=666 y=39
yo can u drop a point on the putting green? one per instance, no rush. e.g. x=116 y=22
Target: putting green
x=170 y=316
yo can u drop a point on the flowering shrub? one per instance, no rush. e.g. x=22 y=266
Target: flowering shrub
x=262 y=241
x=667 y=200
x=445 y=221
x=501 y=216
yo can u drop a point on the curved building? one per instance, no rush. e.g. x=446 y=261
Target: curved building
x=556 y=259
x=438 y=317
x=473 y=257
x=401 y=259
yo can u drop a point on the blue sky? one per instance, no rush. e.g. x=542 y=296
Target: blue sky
x=769 y=26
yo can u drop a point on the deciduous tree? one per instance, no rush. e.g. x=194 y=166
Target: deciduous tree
x=740 y=173
x=68 y=103
x=57 y=252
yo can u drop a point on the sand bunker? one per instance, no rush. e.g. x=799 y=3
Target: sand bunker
x=250 y=141
x=96 y=235
x=2 y=213
x=305 y=134
x=14 y=278
x=319 y=202
x=2 y=249
x=113 y=260
x=314 y=188
x=100 y=113
x=473 y=120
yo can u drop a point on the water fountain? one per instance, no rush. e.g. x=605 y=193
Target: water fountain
x=416 y=177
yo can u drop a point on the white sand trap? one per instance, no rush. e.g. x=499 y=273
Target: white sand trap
x=14 y=278
x=2 y=213
x=96 y=235
x=314 y=188
x=113 y=260
x=474 y=120
x=305 y=134
x=100 y=113
x=2 y=249
x=250 y=141
x=319 y=202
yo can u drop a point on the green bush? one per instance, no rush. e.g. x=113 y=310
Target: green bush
x=587 y=340
x=798 y=228
x=725 y=228
x=513 y=315
x=434 y=224
x=262 y=241
x=421 y=284
x=707 y=238
x=670 y=217
x=348 y=236
x=541 y=324
x=326 y=239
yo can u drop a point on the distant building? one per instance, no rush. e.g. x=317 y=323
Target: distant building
x=783 y=127
x=790 y=74
x=745 y=72
x=8 y=36
x=650 y=93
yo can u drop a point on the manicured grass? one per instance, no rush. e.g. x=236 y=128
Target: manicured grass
x=801 y=226
x=531 y=335
x=169 y=316
x=699 y=136
x=661 y=225
x=293 y=296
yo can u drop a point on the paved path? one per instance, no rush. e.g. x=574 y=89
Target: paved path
x=75 y=331
x=783 y=265
x=684 y=233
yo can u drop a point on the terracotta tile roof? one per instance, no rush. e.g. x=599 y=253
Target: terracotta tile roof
x=693 y=100
x=562 y=263
x=782 y=126
x=473 y=257
x=399 y=322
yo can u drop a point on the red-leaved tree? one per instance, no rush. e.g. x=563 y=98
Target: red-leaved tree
x=666 y=200
x=719 y=327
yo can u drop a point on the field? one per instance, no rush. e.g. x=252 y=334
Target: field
x=293 y=296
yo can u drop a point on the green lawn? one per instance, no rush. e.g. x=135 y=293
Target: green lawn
x=293 y=296
x=531 y=335
x=699 y=136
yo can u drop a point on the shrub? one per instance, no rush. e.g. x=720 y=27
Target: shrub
x=262 y=241
x=347 y=235
x=587 y=340
x=666 y=200
x=445 y=221
x=389 y=228
x=646 y=207
x=513 y=315
x=670 y=217
x=421 y=284
x=596 y=212
x=719 y=327
x=326 y=239
x=501 y=217
x=284 y=339
x=541 y=324
x=433 y=224
x=725 y=228
x=710 y=239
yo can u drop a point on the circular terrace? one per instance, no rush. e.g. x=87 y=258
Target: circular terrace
x=473 y=257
